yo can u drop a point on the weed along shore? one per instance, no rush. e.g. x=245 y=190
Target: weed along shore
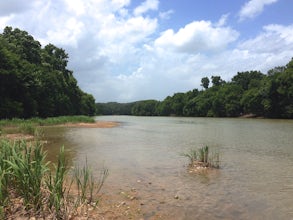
x=29 y=187
x=30 y=129
x=63 y=192
x=32 y=187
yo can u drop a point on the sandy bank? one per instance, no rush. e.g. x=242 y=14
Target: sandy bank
x=97 y=124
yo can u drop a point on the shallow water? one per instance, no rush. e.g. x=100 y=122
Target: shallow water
x=255 y=180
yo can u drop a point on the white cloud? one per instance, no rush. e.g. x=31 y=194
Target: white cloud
x=253 y=8
x=77 y=6
x=198 y=36
x=146 y=6
x=66 y=34
x=273 y=39
x=222 y=21
x=166 y=14
x=117 y=54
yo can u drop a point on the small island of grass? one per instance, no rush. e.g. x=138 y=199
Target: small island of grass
x=201 y=159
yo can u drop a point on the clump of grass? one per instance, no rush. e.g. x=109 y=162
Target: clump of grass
x=87 y=185
x=203 y=157
x=27 y=128
x=27 y=168
x=26 y=176
x=55 y=184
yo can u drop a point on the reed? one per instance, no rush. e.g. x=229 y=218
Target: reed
x=203 y=157
x=55 y=184
x=27 y=167
x=26 y=176
x=87 y=185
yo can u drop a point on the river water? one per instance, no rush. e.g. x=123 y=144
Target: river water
x=255 y=180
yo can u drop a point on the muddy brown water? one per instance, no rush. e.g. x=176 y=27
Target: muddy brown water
x=143 y=153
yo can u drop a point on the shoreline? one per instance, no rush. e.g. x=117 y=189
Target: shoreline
x=18 y=136
x=97 y=124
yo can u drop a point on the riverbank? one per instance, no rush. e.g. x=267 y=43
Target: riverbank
x=77 y=198
x=119 y=205
x=97 y=124
x=26 y=129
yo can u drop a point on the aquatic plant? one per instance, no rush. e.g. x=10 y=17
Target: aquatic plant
x=203 y=157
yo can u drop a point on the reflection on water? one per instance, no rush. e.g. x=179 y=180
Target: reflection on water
x=255 y=180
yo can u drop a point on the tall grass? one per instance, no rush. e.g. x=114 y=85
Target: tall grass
x=203 y=157
x=27 y=168
x=87 y=185
x=47 y=121
x=31 y=126
x=25 y=175
x=55 y=183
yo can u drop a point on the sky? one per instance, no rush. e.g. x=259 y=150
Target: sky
x=129 y=50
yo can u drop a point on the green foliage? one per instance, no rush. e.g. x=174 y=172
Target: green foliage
x=56 y=187
x=35 y=81
x=26 y=168
x=114 y=108
x=250 y=92
x=29 y=125
x=146 y=108
x=27 y=128
x=217 y=81
x=25 y=175
x=205 y=82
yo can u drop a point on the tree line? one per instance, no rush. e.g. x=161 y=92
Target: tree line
x=35 y=81
x=251 y=92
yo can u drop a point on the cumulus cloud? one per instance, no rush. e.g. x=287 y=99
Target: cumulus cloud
x=253 y=8
x=273 y=39
x=117 y=54
x=198 y=36
x=146 y=6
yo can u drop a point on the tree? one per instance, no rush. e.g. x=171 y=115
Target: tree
x=244 y=78
x=217 y=81
x=145 y=108
x=24 y=44
x=35 y=81
x=205 y=82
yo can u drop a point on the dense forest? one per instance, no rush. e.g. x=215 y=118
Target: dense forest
x=35 y=81
x=248 y=93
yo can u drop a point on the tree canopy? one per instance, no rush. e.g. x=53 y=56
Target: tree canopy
x=251 y=92
x=35 y=81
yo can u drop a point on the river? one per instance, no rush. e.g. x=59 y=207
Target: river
x=255 y=180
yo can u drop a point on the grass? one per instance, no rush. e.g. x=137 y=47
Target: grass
x=87 y=185
x=47 y=121
x=203 y=157
x=33 y=127
x=26 y=179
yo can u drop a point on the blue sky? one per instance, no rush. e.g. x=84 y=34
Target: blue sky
x=128 y=50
